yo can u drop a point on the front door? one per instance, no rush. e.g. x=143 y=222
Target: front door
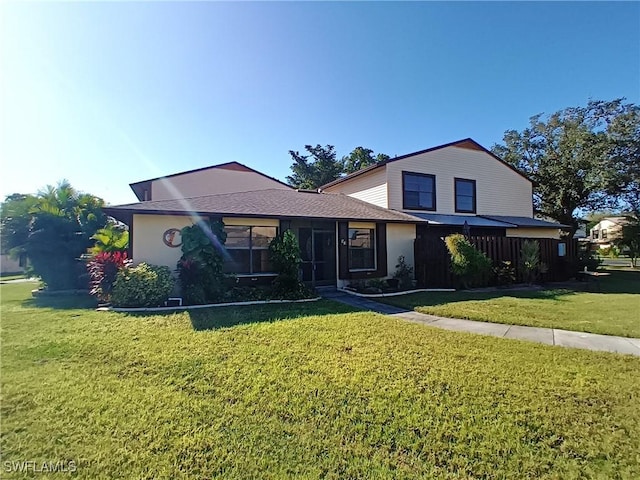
x=318 y=251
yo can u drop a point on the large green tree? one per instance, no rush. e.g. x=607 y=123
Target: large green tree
x=361 y=158
x=61 y=222
x=315 y=169
x=15 y=221
x=578 y=158
x=320 y=165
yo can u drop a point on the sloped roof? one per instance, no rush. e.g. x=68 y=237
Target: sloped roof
x=526 y=221
x=277 y=203
x=459 y=220
x=467 y=143
x=495 y=221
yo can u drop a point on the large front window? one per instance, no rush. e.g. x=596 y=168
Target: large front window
x=362 y=252
x=418 y=191
x=248 y=248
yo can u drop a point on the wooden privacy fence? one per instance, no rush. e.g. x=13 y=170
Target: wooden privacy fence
x=433 y=265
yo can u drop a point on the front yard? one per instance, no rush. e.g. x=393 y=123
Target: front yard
x=315 y=391
x=613 y=310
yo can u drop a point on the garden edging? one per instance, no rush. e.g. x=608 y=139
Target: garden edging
x=209 y=305
x=395 y=294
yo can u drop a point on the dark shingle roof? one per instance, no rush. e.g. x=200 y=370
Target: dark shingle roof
x=278 y=203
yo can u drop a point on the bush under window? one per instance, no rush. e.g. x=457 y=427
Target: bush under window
x=142 y=286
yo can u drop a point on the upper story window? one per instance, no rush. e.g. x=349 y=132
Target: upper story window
x=418 y=191
x=604 y=234
x=465 y=191
x=595 y=234
x=248 y=248
x=362 y=249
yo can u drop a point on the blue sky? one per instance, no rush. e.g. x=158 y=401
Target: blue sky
x=105 y=94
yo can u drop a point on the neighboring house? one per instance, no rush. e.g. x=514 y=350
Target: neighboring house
x=606 y=231
x=11 y=265
x=354 y=228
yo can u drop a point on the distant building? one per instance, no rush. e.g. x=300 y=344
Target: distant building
x=606 y=231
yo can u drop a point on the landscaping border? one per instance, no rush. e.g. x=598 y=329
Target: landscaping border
x=209 y=305
x=394 y=294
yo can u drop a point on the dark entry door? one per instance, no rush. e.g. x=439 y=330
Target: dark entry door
x=318 y=250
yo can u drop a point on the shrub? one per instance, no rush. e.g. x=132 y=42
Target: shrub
x=530 y=259
x=142 y=286
x=471 y=266
x=504 y=273
x=404 y=273
x=284 y=252
x=103 y=269
x=200 y=269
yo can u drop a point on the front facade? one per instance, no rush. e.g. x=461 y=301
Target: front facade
x=606 y=231
x=341 y=239
x=354 y=228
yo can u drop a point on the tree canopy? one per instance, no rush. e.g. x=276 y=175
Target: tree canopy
x=53 y=229
x=320 y=166
x=579 y=158
x=361 y=158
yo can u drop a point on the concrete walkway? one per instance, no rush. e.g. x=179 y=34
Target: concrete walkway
x=548 y=336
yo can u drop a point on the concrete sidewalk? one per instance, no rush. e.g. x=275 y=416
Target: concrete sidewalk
x=548 y=336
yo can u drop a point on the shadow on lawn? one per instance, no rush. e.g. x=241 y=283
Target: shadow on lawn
x=617 y=282
x=62 y=302
x=223 y=317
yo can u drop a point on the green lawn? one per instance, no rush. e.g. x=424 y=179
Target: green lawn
x=337 y=395
x=615 y=310
x=11 y=276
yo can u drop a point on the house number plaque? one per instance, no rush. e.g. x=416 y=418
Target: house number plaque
x=172 y=238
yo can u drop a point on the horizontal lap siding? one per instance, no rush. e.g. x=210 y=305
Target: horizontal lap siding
x=369 y=187
x=500 y=190
x=210 y=182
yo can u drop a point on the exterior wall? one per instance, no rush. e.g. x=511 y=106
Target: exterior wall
x=500 y=190
x=9 y=265
x=148 y=244
x=210 y=182
x=533 y=233
x=253 y=222
x=400 y=238
x=369 y=187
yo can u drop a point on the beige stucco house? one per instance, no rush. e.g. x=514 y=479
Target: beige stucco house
x=353 y=228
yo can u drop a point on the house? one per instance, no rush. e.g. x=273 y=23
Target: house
x=353 y=228
x=9 y=265
x=606 y=231
x=449 y=186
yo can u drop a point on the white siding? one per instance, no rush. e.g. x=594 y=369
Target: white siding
x=210 y=182
x=148 y=244
x=499 y=190
x=370 y=187
x=400 y=237
x=533 y=233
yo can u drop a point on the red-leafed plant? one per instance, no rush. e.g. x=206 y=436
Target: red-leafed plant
x=103 y=269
